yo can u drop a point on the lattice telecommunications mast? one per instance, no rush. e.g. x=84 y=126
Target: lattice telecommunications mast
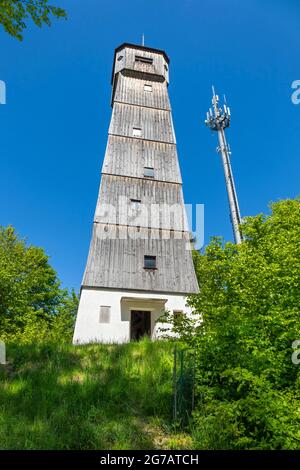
x=218 y=119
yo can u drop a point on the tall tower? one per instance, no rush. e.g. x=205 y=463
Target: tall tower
x=139 y=262
x=218 y=119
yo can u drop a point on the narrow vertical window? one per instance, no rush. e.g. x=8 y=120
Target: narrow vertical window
x=178 y=317
x=104 y=316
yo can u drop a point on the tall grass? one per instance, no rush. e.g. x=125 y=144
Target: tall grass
x=57 y=396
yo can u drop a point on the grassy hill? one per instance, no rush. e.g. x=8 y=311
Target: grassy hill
x=57 y=396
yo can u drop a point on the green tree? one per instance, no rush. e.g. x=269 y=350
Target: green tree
x=15 y=13
x=247 y=385
x=32 y=302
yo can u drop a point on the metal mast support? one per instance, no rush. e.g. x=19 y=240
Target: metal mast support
x=218 y=119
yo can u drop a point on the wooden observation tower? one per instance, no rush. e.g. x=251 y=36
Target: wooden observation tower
x=139 y=262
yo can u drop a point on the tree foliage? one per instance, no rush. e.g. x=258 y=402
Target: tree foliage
x=15 y=13
x=32 y=303
x=247 y=385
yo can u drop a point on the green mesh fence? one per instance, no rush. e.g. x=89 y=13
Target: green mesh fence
x=183 y=384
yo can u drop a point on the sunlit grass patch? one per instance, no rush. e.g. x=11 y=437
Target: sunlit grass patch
x=59 y=396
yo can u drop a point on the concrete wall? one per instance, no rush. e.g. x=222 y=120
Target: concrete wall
x=88 y=328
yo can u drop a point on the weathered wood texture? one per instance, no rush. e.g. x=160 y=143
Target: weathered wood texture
x=121 y=261
x=161 y=203
x=128 y=157
x=121 y=238
x=155 y=124
x=125 y=60
x=132 y=90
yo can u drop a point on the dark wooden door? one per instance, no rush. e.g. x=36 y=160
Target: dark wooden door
x=140 y=324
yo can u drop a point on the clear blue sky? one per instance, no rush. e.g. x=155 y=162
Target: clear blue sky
x=54 y=125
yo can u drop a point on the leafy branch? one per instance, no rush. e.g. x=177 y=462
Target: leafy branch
x=15 y=13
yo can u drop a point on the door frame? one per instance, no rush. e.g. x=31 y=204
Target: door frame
x=135 y=309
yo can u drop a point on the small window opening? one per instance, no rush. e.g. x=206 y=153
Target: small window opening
x=136 y=132
x=104 y=316
x=148 y=172
x=149 y=262
x=144 y=60
x=135 y=204
x=178 y=317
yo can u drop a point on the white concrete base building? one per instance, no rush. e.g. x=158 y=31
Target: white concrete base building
x=139 y=262
x=123 y=305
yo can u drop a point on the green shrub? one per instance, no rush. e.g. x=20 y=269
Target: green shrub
x=247 y=387
x=33 y=306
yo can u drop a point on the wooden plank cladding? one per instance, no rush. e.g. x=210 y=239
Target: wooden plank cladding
x=122 y=260
x=140 y=208
x=155 y=124
x=128 y=157
x=127 y=58
x=139 y=202
x=142 y=92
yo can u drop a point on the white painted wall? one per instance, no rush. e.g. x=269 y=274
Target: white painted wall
x=88 y=329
